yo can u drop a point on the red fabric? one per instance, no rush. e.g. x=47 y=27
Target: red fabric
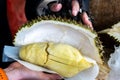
x=16 y=15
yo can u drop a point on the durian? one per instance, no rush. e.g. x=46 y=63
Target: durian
x=61 y=30
x=114 y=31
x=110 y=38
x=62 y=58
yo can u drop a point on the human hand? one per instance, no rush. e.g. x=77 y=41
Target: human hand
x=55 y=7
x=16 y=71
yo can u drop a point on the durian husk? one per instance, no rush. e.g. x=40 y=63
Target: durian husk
x=110 y=38
x=85 y=29
x=113 y=32
x=21 y=36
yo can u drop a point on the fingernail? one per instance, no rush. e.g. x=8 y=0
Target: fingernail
x=74 y=13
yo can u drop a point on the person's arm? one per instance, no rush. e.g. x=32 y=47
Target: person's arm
x=16 y=71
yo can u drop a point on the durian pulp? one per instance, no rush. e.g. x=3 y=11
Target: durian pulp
x=61 y=58
x=60 y=32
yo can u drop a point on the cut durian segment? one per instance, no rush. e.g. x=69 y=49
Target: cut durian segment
x=47 y=29
x=61 y=58
x=114 y=31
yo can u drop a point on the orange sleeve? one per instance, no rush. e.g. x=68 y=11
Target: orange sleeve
x=3 y=75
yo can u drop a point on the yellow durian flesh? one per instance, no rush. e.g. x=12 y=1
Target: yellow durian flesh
x=65 y=52
x=31 y=53
x=62 y=58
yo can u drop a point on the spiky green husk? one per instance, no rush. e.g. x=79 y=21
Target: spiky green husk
x=68 y=21
x=110 y=38
x=113 y=32
x=54 y=18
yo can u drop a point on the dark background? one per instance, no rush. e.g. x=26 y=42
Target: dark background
x=5 y=36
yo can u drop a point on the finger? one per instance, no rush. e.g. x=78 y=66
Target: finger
x=86 y=20
x=55 y=7
x=75 y=7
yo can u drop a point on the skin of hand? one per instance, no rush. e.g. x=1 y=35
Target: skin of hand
x=16 y=71
x=55 y=7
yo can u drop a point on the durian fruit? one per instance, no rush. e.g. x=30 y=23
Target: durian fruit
x=61 y=58
x=61 y=30
x=110 y=38
x=114 y=31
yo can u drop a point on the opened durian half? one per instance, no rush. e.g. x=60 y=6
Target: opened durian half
x=110 y=38
x=113 y=32
x=58 y=30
